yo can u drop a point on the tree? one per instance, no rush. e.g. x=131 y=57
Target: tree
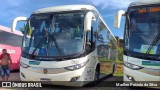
x=120 y=48
x=120 y=53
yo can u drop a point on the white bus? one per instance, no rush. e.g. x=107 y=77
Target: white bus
x=141 y=40
x=64 y=44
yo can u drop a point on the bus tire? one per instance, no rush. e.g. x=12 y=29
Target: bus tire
x=114 y=68
x=97 y=73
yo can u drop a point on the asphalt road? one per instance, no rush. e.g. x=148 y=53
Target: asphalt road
x=100 y=85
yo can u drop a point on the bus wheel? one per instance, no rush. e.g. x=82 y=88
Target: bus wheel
x=114 y=68
x=97 y=73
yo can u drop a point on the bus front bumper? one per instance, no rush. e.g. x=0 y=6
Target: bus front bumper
x=69 y=78
x=136 y=75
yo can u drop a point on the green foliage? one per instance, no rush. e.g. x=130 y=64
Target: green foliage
x=118 y=74
x=120 y=53
x=119 y=61
x=112 y=44
x=102 y=59
x=109 y=60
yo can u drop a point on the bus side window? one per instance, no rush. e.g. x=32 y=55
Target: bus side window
x=93 y=35
x=89 y=42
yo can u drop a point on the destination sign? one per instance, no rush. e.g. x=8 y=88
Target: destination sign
x=153 y=9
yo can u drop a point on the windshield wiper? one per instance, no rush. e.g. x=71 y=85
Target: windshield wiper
x=156 y=39
x=40 y=43
x=57 y=46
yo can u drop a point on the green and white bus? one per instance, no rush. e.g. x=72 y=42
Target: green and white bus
x=66 y=43
x=141 y=40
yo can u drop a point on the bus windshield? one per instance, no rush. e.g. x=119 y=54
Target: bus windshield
x=54 y=34
x=143 y=30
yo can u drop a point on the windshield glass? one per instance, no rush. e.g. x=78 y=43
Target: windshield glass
x=54 y=34
x=144 y=27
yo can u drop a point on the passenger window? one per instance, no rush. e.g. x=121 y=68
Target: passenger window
x=89 y=42
x=91 y=37
x=94 y=31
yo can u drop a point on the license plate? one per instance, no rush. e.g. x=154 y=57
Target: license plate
x=45 y=79
x=34 y=62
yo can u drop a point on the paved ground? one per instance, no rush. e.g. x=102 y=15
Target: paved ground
x=100 y=86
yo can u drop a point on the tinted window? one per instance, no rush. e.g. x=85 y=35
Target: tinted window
x=10 y=39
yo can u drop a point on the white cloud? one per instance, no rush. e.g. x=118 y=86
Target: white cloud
x=111 y=4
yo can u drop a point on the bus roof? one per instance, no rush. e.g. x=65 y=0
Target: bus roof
x=7 y=29
x=65 y=8
x=144 y=2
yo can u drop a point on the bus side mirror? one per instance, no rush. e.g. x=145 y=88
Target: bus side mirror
x=117 y=18
x=14 y=22
x=88 y=21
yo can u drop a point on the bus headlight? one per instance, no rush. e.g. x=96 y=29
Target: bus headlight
x=24 y=65
x=132 y=66
x=77 y=66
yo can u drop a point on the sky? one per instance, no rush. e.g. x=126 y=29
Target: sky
x=9 y=9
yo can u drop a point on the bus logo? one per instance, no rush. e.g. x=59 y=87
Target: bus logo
x=45 y=71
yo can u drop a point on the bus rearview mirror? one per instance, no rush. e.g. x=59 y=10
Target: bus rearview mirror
x=117 y=18
x=88 y=21
x=14 y=22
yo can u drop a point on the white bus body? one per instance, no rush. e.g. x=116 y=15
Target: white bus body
x=65 y=44
x=142 y=26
